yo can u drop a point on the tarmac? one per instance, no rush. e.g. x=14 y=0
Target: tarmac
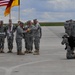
x=51 y=61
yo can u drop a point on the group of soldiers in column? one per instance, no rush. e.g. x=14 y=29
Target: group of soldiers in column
x=69 y=38
x=31 y=33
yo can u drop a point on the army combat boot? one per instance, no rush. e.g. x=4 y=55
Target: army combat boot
x=70 y=55
x=36 y=52
x=19 y=52
x=2 y=51
x=10 y=51
x=26 y=51
x=30 y=51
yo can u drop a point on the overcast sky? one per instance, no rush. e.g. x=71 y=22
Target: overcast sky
x=43 y=10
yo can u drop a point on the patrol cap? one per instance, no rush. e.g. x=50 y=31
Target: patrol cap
x=70 y=20
x=28 y=21
x=10 y=20
x=21 y=23
x=67 y=21
x=35 y=20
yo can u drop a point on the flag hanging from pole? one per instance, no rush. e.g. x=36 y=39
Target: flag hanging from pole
x=8 y=8
x=4 y=2
x=11 y=4
x=15 y=3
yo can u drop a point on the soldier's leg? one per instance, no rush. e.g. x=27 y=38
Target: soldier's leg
x=2 y=45
x=8 y=41
x=17 y=44
x=19 y=47
x=31 y=44
x=26 y=45
x=36 y=43
x=69 y=54
x=9 y=45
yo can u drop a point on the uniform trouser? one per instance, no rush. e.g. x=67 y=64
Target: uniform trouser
x=37 y=42
x=10 y=42
x=29 y=43
x=2 y=42
x=25 y=40
x=19 y=44
x=69 y=53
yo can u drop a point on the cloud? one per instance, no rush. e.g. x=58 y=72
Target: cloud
x=61 y=5
x=43 y=10
x=58 y=16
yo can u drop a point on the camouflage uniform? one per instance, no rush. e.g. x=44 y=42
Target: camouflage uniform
x=19 y=37
x=10 y=36
x=66 y=25
x=2 y=38
x=28 y=39
x=37 y=36
x=71 y=40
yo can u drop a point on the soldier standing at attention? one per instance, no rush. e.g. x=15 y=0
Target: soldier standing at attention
x=37 y=36
x=10 y=35
x=2 y=37
x=19 y=37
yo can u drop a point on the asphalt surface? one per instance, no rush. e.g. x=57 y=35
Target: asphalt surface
x=51 y=61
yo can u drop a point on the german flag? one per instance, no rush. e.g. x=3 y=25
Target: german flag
x=11 y=4
x=15 y=3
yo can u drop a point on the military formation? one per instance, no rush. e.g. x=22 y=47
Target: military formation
x=69 y=38
x=31 y=33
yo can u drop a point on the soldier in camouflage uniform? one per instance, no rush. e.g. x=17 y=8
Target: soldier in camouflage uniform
x=71 y=40
x=2 y=37
x=10 y=35
x=37 y=36
x=19 y=37
x=29 y=37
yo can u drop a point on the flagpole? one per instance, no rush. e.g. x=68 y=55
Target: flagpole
x=10 y=15
x=19 y=13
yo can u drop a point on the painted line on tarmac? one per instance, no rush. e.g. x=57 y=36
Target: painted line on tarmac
x=8 y=72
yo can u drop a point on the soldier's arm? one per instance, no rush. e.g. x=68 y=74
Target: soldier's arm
x=20 y=31
x=14 y=28
x=36 y=27
x=40 y=32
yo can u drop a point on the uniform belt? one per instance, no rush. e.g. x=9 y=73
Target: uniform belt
x=2 y=33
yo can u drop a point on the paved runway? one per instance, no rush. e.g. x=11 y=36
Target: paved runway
x=51 y=61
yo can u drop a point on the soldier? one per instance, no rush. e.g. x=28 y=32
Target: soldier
x=2 y=37
x=71 y=40
x=29 y=37
x=10 y=35
x=37 y=36
x=19 y=37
